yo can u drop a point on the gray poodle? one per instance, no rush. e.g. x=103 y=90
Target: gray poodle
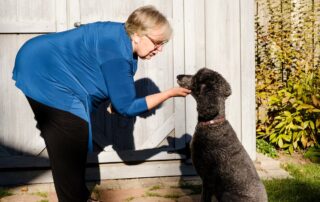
x=226 y=170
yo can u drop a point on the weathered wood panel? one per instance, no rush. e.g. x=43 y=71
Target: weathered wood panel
x=195 y=51
x=118 y=133
x=17 y=125
x=104 y=171
x=223 y=51
x=216 y=34
x=248 y=113
x=131 y=157
x=179 y=68
x=229 y=50
x=149 y=130
x=36 y=16
x=118 y=10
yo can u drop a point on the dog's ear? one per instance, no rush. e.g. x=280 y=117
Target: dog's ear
x=227 y=90
x=202 y=88
x=224 y=86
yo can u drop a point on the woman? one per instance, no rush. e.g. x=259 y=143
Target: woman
x=66 y=75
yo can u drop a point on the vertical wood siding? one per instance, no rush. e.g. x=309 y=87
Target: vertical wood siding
x=220 y=35
x=17 y=126
x=27 y=16
x=217 y=34
x=230 y=51
x=151 y=131
x=248 y=113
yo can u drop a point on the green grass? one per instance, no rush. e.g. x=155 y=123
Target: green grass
x=172 y=196
x=41 y=194
x=129 y=199
x=195 y=189
x=156 y=187
x=152 y=194
x=4 y=192
x=313 y=154
x=304 y=187
x=95 y=194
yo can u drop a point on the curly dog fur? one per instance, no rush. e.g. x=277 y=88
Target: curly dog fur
x=226 y=170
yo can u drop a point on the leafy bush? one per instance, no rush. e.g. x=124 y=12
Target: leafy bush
x=294 y=118
x=313 y=154
x=265 y=148
x=287 y=73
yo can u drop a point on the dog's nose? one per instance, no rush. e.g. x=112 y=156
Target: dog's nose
x=179 y=77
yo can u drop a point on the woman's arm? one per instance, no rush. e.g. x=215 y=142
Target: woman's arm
x=158 y=98
x=121 y=90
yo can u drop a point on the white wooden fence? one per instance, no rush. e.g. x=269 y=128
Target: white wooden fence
x=218 y=34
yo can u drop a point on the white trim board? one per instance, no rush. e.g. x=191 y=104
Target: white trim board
x=104 y=171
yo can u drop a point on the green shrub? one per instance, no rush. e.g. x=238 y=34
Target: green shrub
x=313 y=154
x=294 y=118
x=288 y=73
x=265 y=148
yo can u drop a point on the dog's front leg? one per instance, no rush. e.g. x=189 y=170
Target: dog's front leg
x=206 y=195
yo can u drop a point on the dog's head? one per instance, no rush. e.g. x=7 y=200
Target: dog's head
x=209 y=89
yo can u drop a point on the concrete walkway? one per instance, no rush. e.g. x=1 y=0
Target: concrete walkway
x=160 y=189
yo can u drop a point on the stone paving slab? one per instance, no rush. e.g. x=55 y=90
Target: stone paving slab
x=22 y=198
x=162 y=189
x=121 y=194
x=143 y=194
x=191 y=198
x=170 y=192
x=152 y=199
x=269 y=168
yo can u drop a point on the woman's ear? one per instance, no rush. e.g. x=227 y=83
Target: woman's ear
x=135 y=38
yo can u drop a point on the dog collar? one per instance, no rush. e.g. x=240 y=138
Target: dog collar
x=212 y=122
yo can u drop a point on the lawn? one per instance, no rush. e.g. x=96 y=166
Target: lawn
x=303 y=187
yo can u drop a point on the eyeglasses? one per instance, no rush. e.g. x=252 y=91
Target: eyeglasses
x=156 y=44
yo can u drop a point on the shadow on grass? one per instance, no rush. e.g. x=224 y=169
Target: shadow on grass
x=292 y=190
x=303 y=187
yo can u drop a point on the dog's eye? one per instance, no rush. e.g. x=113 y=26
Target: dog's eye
x=202 y=88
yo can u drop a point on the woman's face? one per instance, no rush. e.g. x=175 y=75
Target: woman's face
x=148 y=45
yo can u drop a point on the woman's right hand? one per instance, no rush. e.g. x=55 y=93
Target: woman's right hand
x=156 y=99
x=178 y=92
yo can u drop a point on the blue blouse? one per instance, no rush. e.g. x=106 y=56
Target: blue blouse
x=75 y=70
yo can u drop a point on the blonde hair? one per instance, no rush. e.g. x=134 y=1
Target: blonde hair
x=146 y=18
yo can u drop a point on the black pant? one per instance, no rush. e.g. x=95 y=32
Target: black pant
x=66 y=138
